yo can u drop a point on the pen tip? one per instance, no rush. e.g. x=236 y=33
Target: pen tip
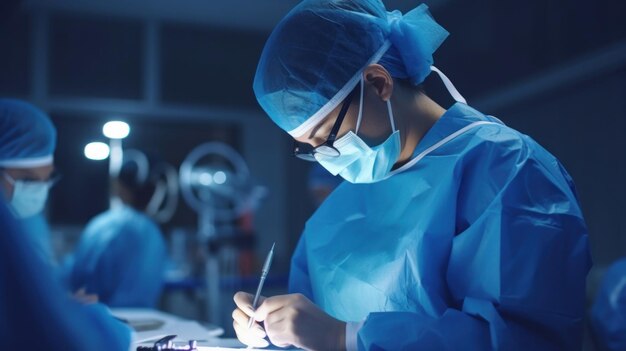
x=274 y=244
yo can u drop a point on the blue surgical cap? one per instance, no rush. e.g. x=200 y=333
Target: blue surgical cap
x=27 y=136
x=316 y=55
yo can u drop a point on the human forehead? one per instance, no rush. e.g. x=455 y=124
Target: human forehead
x=326 y=124
x=323 y=126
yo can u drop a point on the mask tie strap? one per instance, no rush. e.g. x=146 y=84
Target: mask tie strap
x=391 y=119
x=358 y=121
x=8 y=178
x=451 y=89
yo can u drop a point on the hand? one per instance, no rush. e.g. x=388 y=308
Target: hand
x=294 y=320
x=255 y=336
x=81 y=296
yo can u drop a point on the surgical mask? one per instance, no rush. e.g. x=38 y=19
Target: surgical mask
x=358 y=162
x=29 y=197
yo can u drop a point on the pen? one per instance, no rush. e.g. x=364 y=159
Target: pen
x=266 y=268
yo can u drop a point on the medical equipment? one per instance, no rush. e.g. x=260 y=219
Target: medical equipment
x=266 y=269
x=216 y=183
x=167 y=344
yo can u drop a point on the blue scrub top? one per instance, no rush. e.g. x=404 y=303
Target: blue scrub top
x=608 y=314
x=480 y=245
x=120 y=257
x=38 y=232
x=36 y=313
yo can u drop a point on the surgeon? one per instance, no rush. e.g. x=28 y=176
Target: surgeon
x=35 y=312
x=27 y=144
x=452 y=231
x=121 y=253
x=608 y=314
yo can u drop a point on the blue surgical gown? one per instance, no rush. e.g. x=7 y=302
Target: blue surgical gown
x=608 y=314
x=38 y=232
x=481 y=245
x=121 y=258
x=36 y=313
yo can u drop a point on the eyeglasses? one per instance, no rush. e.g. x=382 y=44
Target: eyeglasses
x=307 y=152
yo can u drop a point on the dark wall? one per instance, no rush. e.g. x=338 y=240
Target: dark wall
x=495 y=43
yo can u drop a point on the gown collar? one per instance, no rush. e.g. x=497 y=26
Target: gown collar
x=456 y=121
x=455 y=118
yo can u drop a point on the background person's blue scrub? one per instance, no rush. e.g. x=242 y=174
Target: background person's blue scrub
x=121 y=258
x=121 y=254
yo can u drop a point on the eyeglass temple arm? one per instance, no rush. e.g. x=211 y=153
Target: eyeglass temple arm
x=342 y=115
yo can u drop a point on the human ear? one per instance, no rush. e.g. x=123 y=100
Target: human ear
x=377 y=76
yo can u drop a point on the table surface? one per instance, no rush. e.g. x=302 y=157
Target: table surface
x=164 y=324
x=154 y=325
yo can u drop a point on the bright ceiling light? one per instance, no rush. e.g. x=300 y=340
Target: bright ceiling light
x=116 y=130
x=97 y=151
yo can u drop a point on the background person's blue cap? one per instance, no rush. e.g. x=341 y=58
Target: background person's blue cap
x=27 y=136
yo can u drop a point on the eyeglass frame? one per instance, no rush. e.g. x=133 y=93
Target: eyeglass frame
x=330 y=140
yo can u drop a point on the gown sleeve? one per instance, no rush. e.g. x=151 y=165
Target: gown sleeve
x=608 y=314
x=517 y=264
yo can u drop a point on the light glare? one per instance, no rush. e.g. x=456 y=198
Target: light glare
x=205 y=179
x=116 y=130
x=219 y=177
x=97 y=151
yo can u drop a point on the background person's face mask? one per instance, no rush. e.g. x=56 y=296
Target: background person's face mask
x=358 y=162
x=29 y=197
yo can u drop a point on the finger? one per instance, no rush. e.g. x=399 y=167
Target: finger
x=244 y=301
x=239 y=316
x=243 y=320
x=246 y=297
x=86 y=301
x=271 y=305
x=248 y=337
